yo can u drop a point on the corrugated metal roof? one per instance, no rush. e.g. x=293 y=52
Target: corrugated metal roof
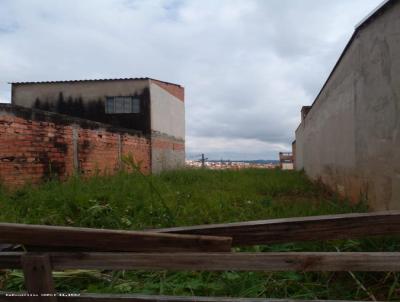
x=93 y=80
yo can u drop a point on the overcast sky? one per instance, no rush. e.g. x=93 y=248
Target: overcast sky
x=247 y=66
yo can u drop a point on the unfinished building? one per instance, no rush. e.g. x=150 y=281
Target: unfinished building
x=92 y=123
x=350 y=137
x=286 y=160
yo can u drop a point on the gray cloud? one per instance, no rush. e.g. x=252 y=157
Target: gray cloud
x=247 y=65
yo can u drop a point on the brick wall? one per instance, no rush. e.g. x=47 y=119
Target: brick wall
x=175 y=90
x=35 y=145
x=167 y=153
x=160 y=143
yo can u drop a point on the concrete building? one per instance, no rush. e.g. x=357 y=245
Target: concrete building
x=350 y=137
x=155 y=108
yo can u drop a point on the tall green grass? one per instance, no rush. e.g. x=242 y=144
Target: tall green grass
x=190 y=197
x=131 y=201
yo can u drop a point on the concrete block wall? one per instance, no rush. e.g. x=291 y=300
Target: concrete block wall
x=86 y=99
x=35 y=145
x=350 y=138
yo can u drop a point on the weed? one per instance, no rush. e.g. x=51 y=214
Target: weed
x=131 y=200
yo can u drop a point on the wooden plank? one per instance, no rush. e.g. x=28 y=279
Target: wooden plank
x=10 y=260
x=38 y=277
x=158 y=298
x=233 y=261
x=308 y=261
x=109 y=240
x=328 y=227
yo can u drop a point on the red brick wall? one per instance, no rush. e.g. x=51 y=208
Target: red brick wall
x=35 y=145
x=176 y=90
x=99 y=151
x=140 y=148
x=167 y=144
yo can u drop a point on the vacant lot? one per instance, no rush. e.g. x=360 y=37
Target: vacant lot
x=189 y=197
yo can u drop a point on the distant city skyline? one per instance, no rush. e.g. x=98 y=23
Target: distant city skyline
x=227 y=157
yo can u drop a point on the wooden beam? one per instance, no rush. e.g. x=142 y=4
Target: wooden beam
x=10 y=260
x=158 y=298
x=308 y=261
x=38 y=277
x=109 y=240
x=328 y=227
x=233 y=261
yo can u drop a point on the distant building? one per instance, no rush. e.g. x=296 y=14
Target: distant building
x=294 y=153
x=350 y=137
x=153 y=107
x=286 y=160
x=231 y=165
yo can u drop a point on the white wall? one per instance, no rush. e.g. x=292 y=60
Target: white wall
x=287 y=166
x=167 y=113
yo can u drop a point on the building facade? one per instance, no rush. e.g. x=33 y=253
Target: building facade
x=154 y=108
x=350 y=137
x=88 y=127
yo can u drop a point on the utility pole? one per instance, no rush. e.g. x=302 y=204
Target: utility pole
x=202 y=160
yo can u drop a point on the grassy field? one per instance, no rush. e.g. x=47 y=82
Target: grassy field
x=190 y=197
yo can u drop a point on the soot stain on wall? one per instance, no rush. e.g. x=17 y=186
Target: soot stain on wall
x=54 y=168
x=94 y=110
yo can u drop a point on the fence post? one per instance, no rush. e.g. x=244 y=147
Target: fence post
x=38 y=278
